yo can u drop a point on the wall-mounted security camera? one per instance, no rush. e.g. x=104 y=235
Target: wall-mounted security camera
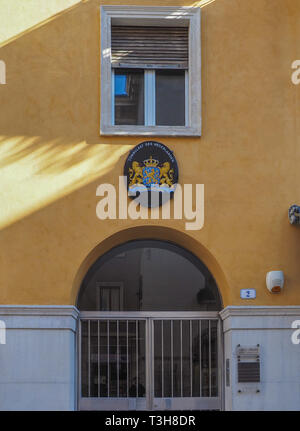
x=275 y=281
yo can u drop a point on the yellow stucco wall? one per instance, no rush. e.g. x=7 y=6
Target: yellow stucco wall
x=52 y=158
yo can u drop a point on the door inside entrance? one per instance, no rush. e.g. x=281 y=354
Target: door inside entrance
x=149 y=361
x=149 y=333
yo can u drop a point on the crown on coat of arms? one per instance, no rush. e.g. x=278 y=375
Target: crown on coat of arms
x=151 y=162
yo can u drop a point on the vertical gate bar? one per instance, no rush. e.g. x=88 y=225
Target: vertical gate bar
x=147 y=364
x=151 y=365
x=200 y=361
x=118 y=383
x=172 y=358
x=217 y=358
x=89 y=359
x=137 y=356
x=191 y=358
x=108 y=376
x=181 y=385
x=98 y=357
x=209 y=357
x=220 y=352
x=80 y=360
x=162 y=358
x=127 y=360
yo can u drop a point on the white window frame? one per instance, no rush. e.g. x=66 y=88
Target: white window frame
x=149 y=97
x=161 y=16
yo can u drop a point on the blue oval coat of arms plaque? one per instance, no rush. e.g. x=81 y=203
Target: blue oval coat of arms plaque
x=151 y=167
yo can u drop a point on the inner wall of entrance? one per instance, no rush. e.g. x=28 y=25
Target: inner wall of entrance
x=149 y=330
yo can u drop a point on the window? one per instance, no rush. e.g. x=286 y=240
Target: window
x=149 y=75
x=128 y=97
x=110 y=296
x=131 y=106
x=150 y=84
x=155 y=276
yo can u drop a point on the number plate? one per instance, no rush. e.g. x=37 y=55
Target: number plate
x=248 y=293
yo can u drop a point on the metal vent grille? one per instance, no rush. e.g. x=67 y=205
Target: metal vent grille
x=248 y=372
x=248 y=364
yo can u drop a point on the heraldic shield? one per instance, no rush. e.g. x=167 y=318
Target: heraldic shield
x=151 y=165
x=151 y=176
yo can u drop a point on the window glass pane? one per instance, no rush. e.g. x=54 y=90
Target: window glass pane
x=115 y=299
x=156 y=276
x=104 y=299
x=129 y=97
x=170 y=97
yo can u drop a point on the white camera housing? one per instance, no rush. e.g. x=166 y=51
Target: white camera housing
x=275 y=281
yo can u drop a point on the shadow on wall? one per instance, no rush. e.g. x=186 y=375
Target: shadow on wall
x=53 y=77
x=49 y=129
x=18 y=19
x=54 y=156
x=17 y=27
x=35 y=173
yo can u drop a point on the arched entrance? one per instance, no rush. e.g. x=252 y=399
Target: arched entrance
x=149 y=334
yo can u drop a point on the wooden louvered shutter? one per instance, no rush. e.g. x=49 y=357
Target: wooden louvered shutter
x=149 y=47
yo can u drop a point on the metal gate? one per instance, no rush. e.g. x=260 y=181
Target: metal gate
x=149 y=361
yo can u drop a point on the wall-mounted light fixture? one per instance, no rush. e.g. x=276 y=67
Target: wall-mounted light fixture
x=275 y=281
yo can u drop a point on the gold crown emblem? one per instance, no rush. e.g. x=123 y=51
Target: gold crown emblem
x=151 y=162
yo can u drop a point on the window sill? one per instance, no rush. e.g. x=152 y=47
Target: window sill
x=150 y=131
